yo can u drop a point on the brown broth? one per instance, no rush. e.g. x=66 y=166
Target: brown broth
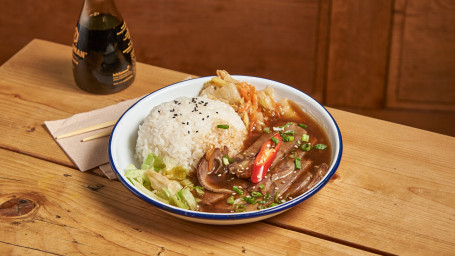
x=314 y=130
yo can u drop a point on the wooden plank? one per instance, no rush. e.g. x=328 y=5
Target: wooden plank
x=359 y=42
x=394 y=190
x=47 y=92
x=322 y=48
x=266 y=38
x=442 y=122
x=391 y=180
x=77 y=213
x=422 y=56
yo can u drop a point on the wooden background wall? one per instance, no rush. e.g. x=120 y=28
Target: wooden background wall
x=390 y=59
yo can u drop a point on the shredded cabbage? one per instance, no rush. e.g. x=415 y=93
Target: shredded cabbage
x=161 y=179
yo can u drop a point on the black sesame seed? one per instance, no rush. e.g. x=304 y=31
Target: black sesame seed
x=188 y=132
x=217 y=112
x=202 y=119
x=187 y=123
x=197 y=131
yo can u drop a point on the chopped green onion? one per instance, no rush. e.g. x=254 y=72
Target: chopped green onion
x=267 y=130
x=306 y=147
x=298 y=166
x=286 y=125
x=275 y=140
x=239 y=208
x=256 y=194
x=230 y=200
x=305 y=137
x=261 y=186
x=276 y=197
x=223 y=126
x=266 y=197
x=303 y=125
x=290 y=132
x=298 y=143
x=320 y=146
x=261 y=202
x=273 y=204
x=237 y=190
x=199 y=190
x=288 y=138
x=227 y=160
x=248 y=199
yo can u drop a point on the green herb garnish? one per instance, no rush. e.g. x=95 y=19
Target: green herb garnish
x=275 y=140
x=289 y=132
x=256 y=194
x=227 y=160
x=286 y=125
x=230 y=200
x=320 y=146
x=298 y=166
x=248 y=199
x=305 y=137
x=199 y=190
x=237 y=190
x=223 y=126
x=306 y=147
x=239 y=208
x=288 y=138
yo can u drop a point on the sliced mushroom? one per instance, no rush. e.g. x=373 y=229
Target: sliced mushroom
x=208 y=177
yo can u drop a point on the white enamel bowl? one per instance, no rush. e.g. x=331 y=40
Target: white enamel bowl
x=124 y=135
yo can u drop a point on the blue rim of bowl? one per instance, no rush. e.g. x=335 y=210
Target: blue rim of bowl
x=229 y=216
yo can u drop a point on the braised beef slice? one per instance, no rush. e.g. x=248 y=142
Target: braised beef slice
x=283 y=176
x=243 y=162
x=209 y=198
x=286 y=147
x=309 y=180
x=283 y=182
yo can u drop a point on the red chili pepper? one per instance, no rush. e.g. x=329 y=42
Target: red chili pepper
x=265 y=158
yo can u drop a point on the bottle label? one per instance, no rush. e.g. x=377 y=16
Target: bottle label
x=103 y=56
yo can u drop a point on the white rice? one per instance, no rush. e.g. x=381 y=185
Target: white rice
x=185 y=128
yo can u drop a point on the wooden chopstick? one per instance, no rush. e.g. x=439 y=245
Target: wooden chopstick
x=98 y=135
x=87 y=129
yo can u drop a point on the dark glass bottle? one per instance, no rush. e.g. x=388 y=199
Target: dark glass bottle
x=103 y=53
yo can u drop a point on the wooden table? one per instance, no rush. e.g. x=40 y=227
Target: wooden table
x=394 y=192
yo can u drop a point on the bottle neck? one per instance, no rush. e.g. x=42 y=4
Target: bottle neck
x=100 y=11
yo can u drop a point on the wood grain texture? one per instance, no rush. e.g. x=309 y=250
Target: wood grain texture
x=422 y=56
x=394 y=191
x=272 y=39
x=393 y=194
x=359 y=41
x=442 y=122
x=39 y=81
x=78 y=213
